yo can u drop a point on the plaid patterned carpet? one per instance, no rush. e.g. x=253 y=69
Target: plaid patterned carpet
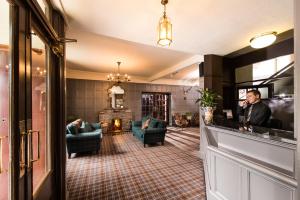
x=124 y=169
x=187 y=139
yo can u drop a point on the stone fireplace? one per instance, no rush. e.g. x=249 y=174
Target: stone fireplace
x=109 y=116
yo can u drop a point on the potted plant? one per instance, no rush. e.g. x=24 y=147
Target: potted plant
x=207 y=101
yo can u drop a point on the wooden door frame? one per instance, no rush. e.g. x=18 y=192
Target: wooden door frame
x=17 y=110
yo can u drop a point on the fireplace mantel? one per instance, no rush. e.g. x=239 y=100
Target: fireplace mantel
x=107 y=115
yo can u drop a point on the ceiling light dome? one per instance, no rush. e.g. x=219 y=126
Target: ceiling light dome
x=263 y=40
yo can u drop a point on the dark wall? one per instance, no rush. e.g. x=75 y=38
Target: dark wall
x=283 y=110
x=219 y=75
x=248 y=56
x=85 y=98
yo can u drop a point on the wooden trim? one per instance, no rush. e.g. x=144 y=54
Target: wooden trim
x=289 y=34
x=42 y=20
x=285 y=47
x=58 y=106
x=42 y=183
x=14 y=100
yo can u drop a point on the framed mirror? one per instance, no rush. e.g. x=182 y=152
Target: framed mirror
x=116 y=95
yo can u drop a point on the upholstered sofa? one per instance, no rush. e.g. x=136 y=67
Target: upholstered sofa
x=154 y=133
x=84 y=138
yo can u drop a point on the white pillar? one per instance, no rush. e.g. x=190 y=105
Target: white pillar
x=297 y=87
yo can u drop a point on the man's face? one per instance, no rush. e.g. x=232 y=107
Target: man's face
x=251 y=98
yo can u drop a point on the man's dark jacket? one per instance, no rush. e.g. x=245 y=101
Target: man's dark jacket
x=259 y=116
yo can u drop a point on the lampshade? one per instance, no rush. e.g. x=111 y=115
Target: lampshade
x=164 y=28
x=263 y=40
x=164 y=31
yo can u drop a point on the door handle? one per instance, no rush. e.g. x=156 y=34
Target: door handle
x=30 y=133
x=22 y=151
x=1 y=157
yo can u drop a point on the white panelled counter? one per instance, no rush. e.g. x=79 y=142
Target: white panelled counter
x=242 y=165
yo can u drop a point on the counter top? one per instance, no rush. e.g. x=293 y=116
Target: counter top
x=273 y=136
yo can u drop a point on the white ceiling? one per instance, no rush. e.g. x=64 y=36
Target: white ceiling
x=100 y=53
x=199 y=26
x=113 y=30
x=108 y=31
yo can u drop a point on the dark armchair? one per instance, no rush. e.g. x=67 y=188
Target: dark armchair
x=83 y=139
x=154 y=133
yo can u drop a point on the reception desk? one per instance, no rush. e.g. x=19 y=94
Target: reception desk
x=243 y=165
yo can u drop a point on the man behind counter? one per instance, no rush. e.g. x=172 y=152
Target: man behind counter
x=253 y=110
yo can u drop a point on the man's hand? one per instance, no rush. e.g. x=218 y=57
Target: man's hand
x=243 y=103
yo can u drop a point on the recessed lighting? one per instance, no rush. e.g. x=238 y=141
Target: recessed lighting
x=263 y=40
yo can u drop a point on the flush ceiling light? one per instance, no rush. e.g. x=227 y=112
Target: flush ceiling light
x=263 y=40
x=164 y=28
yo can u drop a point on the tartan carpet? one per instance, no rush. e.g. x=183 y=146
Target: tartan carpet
x=124 y=169
x=187 y=139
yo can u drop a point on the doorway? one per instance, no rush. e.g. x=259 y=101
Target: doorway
x=31 y=82
x=156 y=105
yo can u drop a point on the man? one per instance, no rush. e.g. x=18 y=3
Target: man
x=253 y=111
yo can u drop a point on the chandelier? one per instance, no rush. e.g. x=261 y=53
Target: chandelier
x=164 y=28
x=118 y=77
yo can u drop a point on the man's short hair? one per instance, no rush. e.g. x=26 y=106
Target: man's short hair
x=255 y=92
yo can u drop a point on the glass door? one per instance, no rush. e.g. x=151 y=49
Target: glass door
x=40 y=139
x=156 y=105
x=4 y=100
x=35 y=140
x=25 y=150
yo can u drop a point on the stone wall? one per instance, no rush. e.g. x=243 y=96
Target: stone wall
x=86 y=98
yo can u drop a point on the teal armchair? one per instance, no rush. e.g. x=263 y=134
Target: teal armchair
x=83 y=139
x=155 y=132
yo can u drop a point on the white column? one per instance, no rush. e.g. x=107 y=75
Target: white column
x=297 y=87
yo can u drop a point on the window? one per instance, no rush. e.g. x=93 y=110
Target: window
x=156 y=105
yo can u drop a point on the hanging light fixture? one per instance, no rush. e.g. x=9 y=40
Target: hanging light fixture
x=164 y=28
x=118 y=77
x=263 y=40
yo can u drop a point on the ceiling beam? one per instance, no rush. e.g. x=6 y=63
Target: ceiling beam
x=179 y=66
x=88 y=75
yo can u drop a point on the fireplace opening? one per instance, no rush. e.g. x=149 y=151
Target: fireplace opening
x=116 y=125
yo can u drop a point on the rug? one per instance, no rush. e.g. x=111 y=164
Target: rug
x=124 y=169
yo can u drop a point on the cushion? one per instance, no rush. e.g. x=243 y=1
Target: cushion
x=86 y=127
x=153 y=123
x=146 y=124
x=144 y=119
x=161 y=124
x=96 y=125
x=78 y=122
x=72 y=129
